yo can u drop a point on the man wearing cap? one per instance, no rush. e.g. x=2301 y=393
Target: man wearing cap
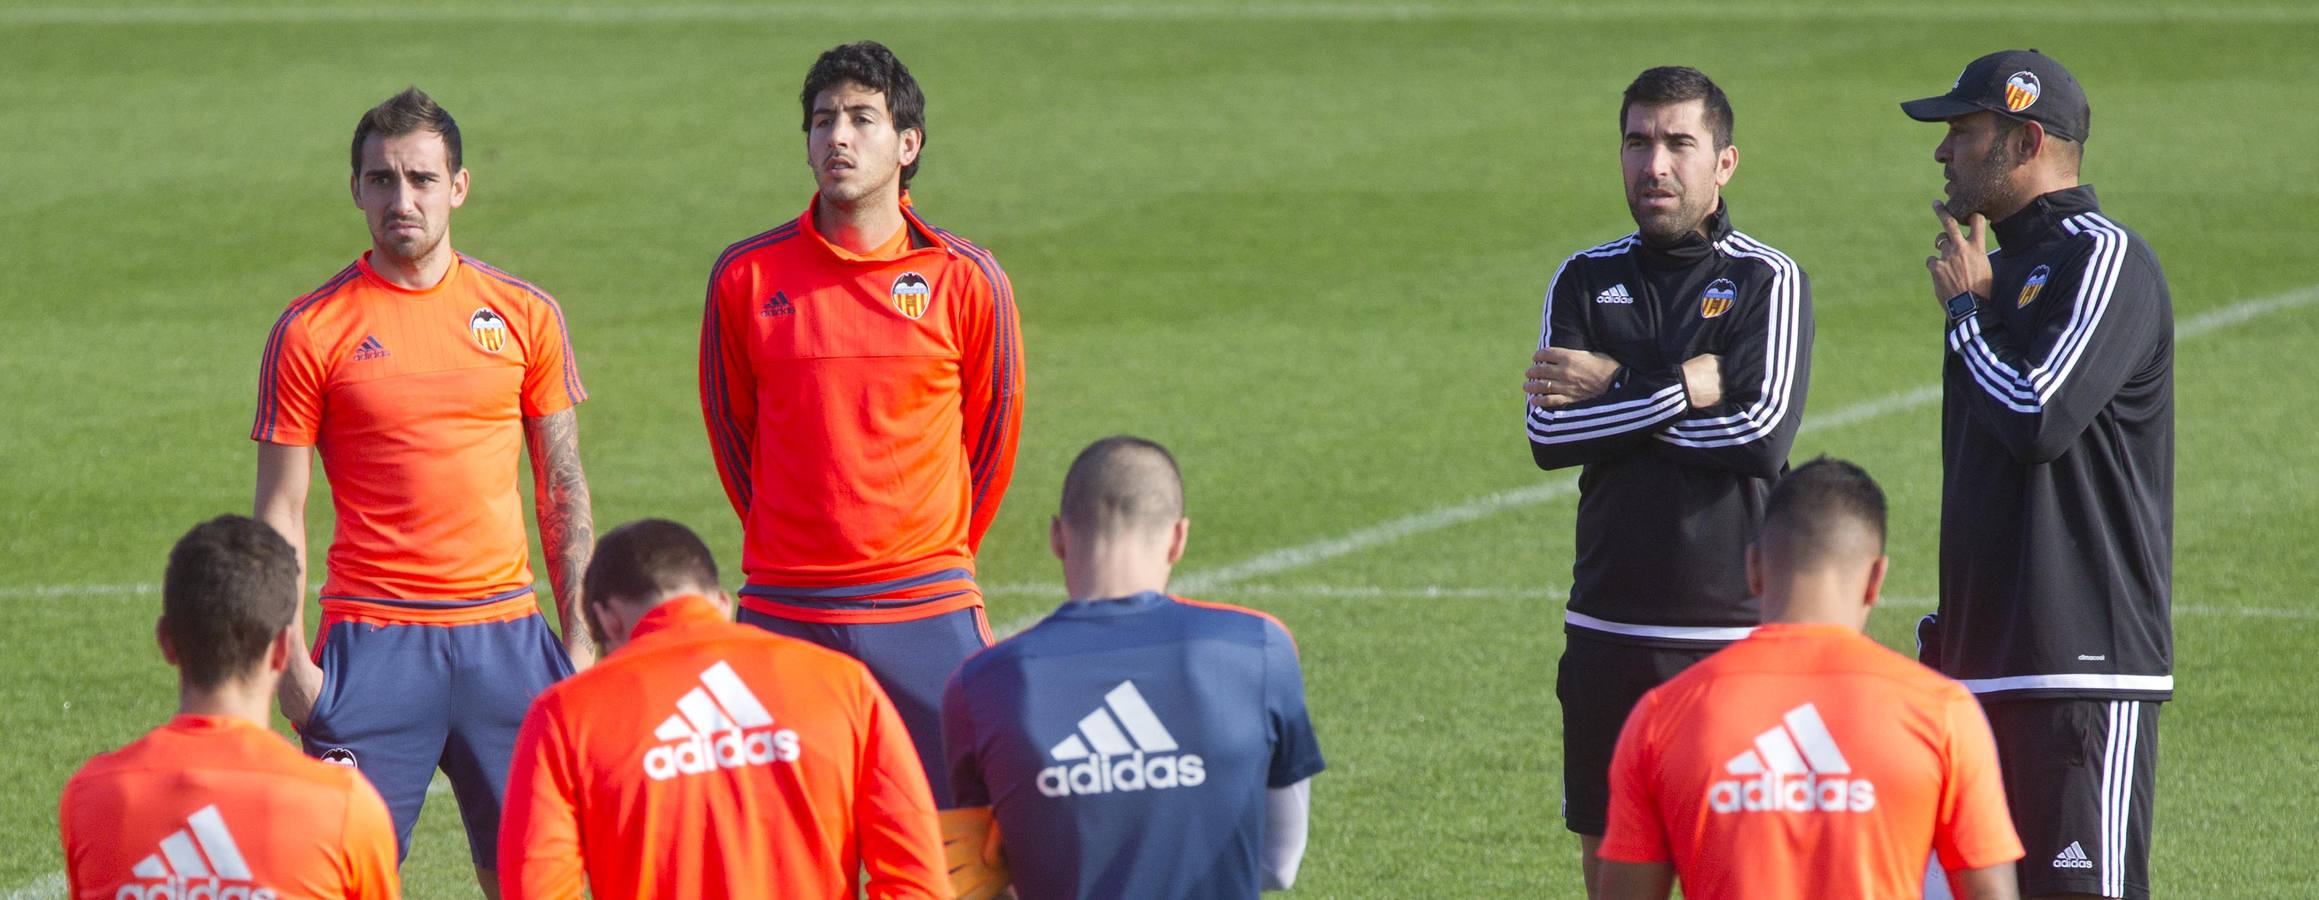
x=2057 y=498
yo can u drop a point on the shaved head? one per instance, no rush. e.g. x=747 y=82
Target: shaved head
x=1122 y=486
x=1828 y=513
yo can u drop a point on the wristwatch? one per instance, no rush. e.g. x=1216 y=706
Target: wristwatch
x=1960 y=305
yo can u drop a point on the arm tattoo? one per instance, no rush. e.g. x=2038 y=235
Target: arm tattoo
x=567 y=528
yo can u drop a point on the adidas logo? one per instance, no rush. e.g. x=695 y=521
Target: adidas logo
x=2072 y=857
x=1102 y=758
x=197 y=862
x=370 y=348
x=777 y=305
x=1788 y=772
x=1616 y=293
x=719 y=725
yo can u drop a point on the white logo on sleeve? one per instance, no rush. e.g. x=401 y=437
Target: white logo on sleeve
x=199 y=860
x=1789 y=770
x=1616 y=293
x=2072 y=857
x=719 y=725
x=1121 y=746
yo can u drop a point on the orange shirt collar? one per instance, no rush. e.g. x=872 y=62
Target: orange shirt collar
x=683 y=612
x=1804 y=629
x=196 y=724
x=893 y=249
x=451 y=274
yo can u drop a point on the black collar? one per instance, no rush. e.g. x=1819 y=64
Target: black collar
x=1691 y=248
x=2037 y=221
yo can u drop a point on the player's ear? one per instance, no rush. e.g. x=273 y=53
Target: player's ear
x=459 y=189
x=1726 y=164
x=722 y=601
x=1875 y=589
x=161 y=637
x=1178 y=536
x=279 y=649
x=912 y=140
x=1754 y=570
x=1055 y=536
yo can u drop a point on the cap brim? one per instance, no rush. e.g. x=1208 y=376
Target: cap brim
x=1939 y=109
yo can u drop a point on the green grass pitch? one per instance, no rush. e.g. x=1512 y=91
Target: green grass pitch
x=1302 y=244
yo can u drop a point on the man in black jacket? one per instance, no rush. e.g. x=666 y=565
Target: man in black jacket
x=2057 y=498
x=1672 y=365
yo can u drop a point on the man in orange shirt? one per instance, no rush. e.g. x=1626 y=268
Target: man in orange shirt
x=214 y=804
x=706 y=759
x=419 y=374
x=1807 y=760
x=861 y=376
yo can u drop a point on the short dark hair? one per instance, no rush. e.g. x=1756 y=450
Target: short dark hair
x=646 y=560
x=1668 y=85
x=871 y=65
x=232 y=585
x=1813 y=508
x=405 y=113
x=1121 y=484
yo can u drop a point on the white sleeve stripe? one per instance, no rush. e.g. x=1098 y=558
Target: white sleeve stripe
x=1763 y=416
x=1590 y=416
x=2029 y=393
x=1664 y=405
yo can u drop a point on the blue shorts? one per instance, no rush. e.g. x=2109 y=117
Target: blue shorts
x=400 y=701
x=912 y=660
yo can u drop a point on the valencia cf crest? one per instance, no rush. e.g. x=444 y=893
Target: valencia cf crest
x=2021 y=91
x=489 y=329
x=2031 y=288
x=1716 y=300
x=912 y=295
x=339 y=756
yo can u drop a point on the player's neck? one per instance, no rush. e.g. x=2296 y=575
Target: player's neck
x=235 y=699
x=861 y=227
x=1823 y=598
x=1113 y=578
x=415 y=274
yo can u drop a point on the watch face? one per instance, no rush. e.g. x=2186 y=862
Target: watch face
x=1959 y=305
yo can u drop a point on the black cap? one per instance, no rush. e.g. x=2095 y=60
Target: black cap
x=2021 y=84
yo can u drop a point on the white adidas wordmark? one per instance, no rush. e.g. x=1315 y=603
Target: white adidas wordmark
x=1121 y=746
x=1788 y=771
x=1616 y=293
x=2072 y=857
x=200 y=860
x=719 y=725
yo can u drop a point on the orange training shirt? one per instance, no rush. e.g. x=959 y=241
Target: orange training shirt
x=863 y=412
x=1807 y=761
x=416 y=401
x=779 y=768
x=211 y=806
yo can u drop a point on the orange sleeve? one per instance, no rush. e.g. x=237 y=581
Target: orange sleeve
x=900 y=839
x=370 y=846
x=551 y=375
x=1972 y=828
x=1637 y=831
x=290 y=383
x=728 y=393
x=539 y=827
x=991 y=385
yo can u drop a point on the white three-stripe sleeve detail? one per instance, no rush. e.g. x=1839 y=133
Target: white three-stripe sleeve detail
x=1565 y=425
x=2029 y=392
x=1782 y=350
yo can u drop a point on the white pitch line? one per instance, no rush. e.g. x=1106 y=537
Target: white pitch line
x=581 y=14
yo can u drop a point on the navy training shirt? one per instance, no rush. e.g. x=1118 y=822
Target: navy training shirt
x=1125 y=745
